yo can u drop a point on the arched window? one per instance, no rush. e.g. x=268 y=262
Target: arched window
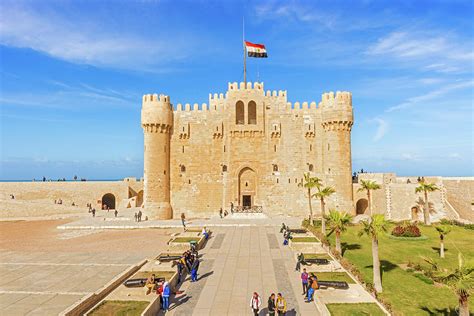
x=275 y=168
x=239 y=113
x=224 y=168
x=310 y=167
x=252 y=112
x=183 y=168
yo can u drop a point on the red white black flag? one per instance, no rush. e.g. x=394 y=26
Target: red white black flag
x=256 y=50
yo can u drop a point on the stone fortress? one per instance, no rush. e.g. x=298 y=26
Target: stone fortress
x=251 y=148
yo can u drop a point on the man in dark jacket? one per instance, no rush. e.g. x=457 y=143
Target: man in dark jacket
x=271 y=305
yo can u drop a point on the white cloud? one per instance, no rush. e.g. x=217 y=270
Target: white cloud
x=296 y=12
x=431 y=95
x=382 y=128
x=439 y=53
x=81 y=41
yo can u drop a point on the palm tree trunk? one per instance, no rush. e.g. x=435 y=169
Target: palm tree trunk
x=323 y=217
x=441 y=246
x=426 y=210
x=369 y=199
x=338 y=242
x=376 y=265
x=310 y=208
x=463 y=306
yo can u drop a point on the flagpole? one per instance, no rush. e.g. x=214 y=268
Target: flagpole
x=245 y=51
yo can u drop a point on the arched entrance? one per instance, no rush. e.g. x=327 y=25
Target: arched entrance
x=247 y=187
x=140 y=198
x=109 y=201
x=361 y=206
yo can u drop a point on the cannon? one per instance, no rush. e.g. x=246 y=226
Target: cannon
x=318 y=261
x=298 y=230
x=140 y=282
x=168 y=258
x=340 y=285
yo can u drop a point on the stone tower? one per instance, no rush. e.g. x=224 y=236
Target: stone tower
x=157 y=123
x=337 y=120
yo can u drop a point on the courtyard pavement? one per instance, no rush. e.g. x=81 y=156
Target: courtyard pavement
x=236 y=262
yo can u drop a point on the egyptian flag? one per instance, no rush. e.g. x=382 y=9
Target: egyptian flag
x=256 y=50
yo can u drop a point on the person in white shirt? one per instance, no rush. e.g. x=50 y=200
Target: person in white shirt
x=255 y=303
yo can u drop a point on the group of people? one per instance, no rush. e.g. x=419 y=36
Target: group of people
x=189 y=262
x=223 y=213
x=310 y=285
x=286 y=234
x=276 y=305
x=138 y=216
x=163 y=290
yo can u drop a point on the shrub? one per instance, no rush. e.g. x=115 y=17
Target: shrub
x=406 y=230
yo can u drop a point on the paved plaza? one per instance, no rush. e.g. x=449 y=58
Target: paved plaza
x=238 y=261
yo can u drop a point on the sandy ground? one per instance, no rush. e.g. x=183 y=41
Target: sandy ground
x=36 y=258
x=43 y=236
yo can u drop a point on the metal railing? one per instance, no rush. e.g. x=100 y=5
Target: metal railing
x=248 y=209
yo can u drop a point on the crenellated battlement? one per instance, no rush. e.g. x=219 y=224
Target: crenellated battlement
x=340 y=98
x=304 y=106
x=234 y=86
x=156 y=98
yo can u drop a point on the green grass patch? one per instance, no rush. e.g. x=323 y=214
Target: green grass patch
x=360 y=309
x=316 y=256
x=407 y=293
x=304 y=239
x=185 y=239
x=159 y=274
x=120 y=308
x=334 y=276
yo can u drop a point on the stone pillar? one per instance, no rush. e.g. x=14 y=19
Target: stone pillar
x=157 y=122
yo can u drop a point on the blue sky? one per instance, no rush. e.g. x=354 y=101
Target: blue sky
x=73 y=73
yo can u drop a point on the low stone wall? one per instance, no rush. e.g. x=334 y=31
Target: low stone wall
x=86 y=303
x=36 y=199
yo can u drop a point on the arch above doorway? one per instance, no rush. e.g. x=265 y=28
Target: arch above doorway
x=247 y=187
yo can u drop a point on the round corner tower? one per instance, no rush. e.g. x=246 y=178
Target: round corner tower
x=337 y=120
x=157 y=122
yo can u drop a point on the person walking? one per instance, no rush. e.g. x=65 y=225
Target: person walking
x=115 y=212
x=194 y=269
x=220 y=212
x=166 y=296
x=271 y=305
x=281 y=305
x=300 y=259
x=139 y=215
x=183 y=221
x=93 y=212
x=255 y=303
x=304 y=281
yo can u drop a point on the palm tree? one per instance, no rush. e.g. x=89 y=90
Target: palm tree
x=321 y=195
x=338 y=223
x=368 y=185
x=461 y=281
x=309 y=184
x=442 y=231
x=373 y=227
x=425 y=188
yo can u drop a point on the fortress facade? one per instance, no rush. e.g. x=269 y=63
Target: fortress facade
x=248 y=148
